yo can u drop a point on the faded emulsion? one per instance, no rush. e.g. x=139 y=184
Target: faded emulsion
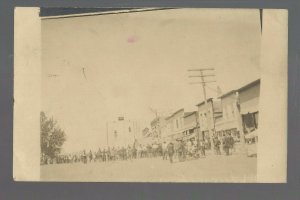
x=161 y=95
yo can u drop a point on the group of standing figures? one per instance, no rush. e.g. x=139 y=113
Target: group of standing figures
x=113 y=154
x=192 y=148
x=180 y=150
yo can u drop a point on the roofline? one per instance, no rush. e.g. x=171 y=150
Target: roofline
x=193 y=112
x=182 y=109
x=227 y=94
x=209 y=99
x=249 y=85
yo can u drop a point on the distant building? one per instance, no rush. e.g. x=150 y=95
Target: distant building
x=121 y=132
x=191 y=125
x=180 y=125
x=156 y=126
x=174 y=125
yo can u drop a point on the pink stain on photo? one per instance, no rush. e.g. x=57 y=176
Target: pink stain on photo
x=132 y=39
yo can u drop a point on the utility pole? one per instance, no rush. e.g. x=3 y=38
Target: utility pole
x=107 y=133
x=202 y=75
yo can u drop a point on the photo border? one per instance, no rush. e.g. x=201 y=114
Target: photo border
x=34 y=190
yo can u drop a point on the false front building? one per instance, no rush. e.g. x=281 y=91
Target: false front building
x=230 y=122
x=180 y=126
x=207 y=113
x=248 y=105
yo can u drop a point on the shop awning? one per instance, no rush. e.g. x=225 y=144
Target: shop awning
x=251 y=134
x=249 y=106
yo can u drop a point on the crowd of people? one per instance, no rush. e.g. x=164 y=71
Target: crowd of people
x=180 y=150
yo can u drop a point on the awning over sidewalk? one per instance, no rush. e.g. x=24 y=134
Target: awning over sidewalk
x=250 y=106
x=251 y=134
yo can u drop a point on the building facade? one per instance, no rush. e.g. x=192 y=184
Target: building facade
x=156 y=126
x=248 y=106
x=230 y=122
x=191 y=125
x=174 y=125
x=207 y=114
x=181 y=126
x=121 y=133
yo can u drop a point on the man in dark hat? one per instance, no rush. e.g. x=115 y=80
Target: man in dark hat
x=171 y=151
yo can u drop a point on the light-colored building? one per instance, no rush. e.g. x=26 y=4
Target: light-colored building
x=121 y=133
x=174 y=125
x=248 y=106
x=191 y=125
x=207 y=113
x=156 y=126
x=181 y=125
x=230 y=122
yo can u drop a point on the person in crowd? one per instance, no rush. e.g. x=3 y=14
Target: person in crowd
x=181 y=151
x=99 y=155
x=195 y=149
x=134 y=151
x=171 y=151
x=104 y=155
x=231 y=143
x=90 y=156
x=84 y=157
x=226 y=145
x=129 y=152
x=202 y=148
x=217 y=144
x=149 y=151
x=207 y=143
x=189 y=147
x=165 y=150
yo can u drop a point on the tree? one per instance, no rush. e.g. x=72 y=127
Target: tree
x=52 y=136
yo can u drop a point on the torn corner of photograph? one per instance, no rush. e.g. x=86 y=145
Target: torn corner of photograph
x=27 y=94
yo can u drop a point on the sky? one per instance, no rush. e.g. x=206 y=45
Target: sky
x=134 y=61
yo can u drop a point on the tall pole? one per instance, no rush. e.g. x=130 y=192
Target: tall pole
x=107 y=133
x=203 y=82
x=206 y=105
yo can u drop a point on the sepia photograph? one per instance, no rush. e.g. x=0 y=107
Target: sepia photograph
x=159 y=95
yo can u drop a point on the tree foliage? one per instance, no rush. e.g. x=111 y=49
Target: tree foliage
x=52 y=136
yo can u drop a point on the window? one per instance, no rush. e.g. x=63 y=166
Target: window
x=176 y=123
x=249 y=123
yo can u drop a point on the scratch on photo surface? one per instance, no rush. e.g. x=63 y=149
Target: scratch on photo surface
x=83 y=71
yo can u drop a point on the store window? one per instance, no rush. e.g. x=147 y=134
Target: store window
x=249 y=123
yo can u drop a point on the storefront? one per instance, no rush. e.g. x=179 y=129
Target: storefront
x=250 y=126
x=248 y=102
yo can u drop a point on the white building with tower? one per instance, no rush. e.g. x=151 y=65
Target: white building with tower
x=121 y=133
